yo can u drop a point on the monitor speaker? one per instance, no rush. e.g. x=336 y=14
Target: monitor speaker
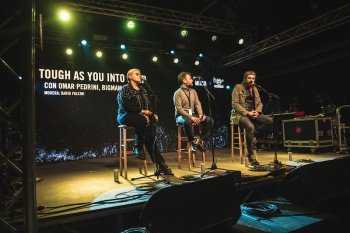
x=319 y=185
x=192 y=207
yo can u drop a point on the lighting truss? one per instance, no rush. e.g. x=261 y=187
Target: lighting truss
x=322 y=23
x=158 y=15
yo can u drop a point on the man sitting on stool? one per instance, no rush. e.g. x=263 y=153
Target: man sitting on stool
x=247 y=111
x=186 y=101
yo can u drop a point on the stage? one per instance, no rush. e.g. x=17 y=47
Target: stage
x=75 y=191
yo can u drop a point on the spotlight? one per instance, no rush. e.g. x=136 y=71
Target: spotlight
x=125 y=56
x=99 y=54
x=228 y=87
x=214 y=38
x=130 y=24
x=172 y=52
x=20 y=77
x=241 y=41
x=200 y=55
x=196 y=63
x=176 y=60
x=184 y=33
x=154 y=58
x=122 y=46
x=64 y=15
x=83 y=42
x=69 y=51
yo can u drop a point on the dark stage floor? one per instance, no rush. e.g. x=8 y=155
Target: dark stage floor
x=78 y=190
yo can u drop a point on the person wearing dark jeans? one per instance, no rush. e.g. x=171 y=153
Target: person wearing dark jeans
x=188 y=111
x=135 y=109
x=247 y=112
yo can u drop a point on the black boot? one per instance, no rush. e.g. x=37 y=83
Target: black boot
x=164 y=169
x=199 y=144
x=252 y=160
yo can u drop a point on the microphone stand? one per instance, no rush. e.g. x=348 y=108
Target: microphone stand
x=213 y=166
x=276 y=164
x=155 y=160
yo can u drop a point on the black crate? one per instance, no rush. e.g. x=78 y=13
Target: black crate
x=313 y=132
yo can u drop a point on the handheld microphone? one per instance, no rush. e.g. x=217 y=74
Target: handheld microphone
x=143 y=78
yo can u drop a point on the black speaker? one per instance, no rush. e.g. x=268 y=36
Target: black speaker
x=322 y=185
x=193 y=207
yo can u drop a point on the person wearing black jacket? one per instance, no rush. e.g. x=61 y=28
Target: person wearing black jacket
x=135 y=109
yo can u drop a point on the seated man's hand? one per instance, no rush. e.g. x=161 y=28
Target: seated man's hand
x=155 y=116
x=146 y=112
x=195 y=120
x=253 y=114
x=202 y=117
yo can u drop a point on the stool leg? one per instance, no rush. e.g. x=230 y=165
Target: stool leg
x=203 y=157
x=189 y=153
x=193 y=159
x=240 y=145
x=245 y=151
x=179 y=146
x=125 y=155
x=120 y=152
x=143 y=167
x=232 y=142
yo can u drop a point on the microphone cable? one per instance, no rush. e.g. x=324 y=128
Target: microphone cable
x=260 y=209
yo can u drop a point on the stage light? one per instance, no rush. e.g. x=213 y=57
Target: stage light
x=196 y=63
x=69 y=51
x=176 y=60
x=64 y=15
x=214 y=38
x=200 y=55
x=228 y=87
x=122 y=46
x=125 y=56
x=130 y=24
x=20 y=77
x=83 y=42
x=241 y=41
x=154 y=58
x=99 y=54
x=172 y=52
x=184 y=33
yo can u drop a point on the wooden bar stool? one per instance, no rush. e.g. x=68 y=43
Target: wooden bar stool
x=239 y=141
x=124 y=131
x=191 y=156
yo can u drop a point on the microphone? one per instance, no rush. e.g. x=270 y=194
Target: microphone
x=143 y=78
x=256 y=85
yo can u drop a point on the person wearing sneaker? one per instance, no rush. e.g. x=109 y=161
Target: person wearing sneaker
x=135 y=109
x=247 y=111
x=188 y=111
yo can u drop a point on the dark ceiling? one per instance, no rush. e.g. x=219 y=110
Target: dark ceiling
x=265 y=18
x=300 y=64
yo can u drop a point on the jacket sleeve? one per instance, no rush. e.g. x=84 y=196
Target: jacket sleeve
x=236 y=104
x=127 y=101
